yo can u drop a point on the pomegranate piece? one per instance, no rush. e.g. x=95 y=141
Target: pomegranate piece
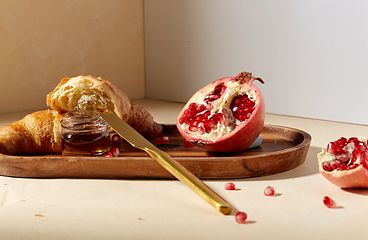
x=241 y=217
x=345 y=162
x=187 y=143
x=109 y=154
x=116 y=138
x=229 y=186
x=329 y=202
x=115 y=152
x=225 y=116
x=163 y=140
x=269 y=191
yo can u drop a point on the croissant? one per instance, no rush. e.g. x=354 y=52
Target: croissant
x=38 y=132
x=84 y=93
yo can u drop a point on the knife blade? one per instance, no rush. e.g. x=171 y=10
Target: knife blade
x=175 y=168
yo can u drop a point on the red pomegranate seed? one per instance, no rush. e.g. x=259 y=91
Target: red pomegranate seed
x=201 y=129
x=229 y=186
x=115 y=151
x=116 y=138
x=163 y=140
x=209 y=124
x=201 y=108
x=192 y=106
x=218 y=89
x=187 y=143
x=109 y=154
x=242 y=117
x=329 y=202
x=334 y=165
x=241 y=217
x=327 y=167
x=269 y=191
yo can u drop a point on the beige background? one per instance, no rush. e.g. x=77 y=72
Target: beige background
x=43 y=41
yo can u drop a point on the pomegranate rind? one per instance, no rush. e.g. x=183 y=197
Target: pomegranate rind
x=243 y=136
x=352 y=178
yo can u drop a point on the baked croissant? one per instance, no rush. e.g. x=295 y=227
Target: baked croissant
x=84 y=93
x=38 y=132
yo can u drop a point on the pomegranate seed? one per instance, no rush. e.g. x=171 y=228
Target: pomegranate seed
x=201 y=108
x=213 y=97
x=269 y=191
x=209 y=124
x=331 y=147
x=187 y=143
x=242 y=117
x=201 y=130
x=343 y=140
x=116 y=138
x=193 y=113
x=192 y=106
x=182 y=120
x=229 y=186
x=241 y=217
x=218 y=89
x=327 y=167
x=115 y=152
x=334 y=165
x=109 y=154
x=343 y=157
x=329 y=202
x=163 y=140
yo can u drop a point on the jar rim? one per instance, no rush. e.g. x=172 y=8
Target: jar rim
x=73 y=121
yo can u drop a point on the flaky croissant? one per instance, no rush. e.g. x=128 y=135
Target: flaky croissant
x=83 y=93
x=38 y=132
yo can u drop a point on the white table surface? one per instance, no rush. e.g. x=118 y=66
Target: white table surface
x=167 y=209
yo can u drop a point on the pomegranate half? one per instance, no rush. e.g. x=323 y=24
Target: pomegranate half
x=225 y=116
x=345 y=162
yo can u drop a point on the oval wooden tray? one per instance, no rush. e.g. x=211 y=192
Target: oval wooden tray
x=282 y=149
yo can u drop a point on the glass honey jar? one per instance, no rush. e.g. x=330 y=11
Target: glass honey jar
x=84 y=135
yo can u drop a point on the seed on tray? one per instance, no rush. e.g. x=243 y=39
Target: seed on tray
x=163 y=140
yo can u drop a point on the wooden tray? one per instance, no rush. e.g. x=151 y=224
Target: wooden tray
x=282 y=149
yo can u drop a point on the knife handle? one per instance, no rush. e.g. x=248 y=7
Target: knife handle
x=190 y=180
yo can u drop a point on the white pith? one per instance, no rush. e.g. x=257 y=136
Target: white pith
x=222 y=105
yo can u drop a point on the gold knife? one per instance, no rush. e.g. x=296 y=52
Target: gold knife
x=176 y=169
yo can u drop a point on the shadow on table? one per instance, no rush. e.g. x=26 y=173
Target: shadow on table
x=309 y=167
x=359 y=191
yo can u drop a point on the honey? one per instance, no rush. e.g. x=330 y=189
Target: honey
x=84 y=135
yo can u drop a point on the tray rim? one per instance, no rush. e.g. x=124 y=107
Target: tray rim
x=306 y=141
x=300 y=149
